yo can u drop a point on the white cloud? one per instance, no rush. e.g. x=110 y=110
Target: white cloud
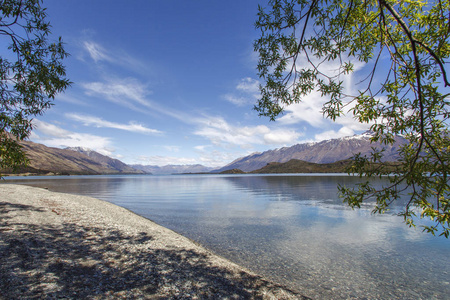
x=236 y=100
x=202 y=148
x=98 y=122
x=281 y=137
x=248 y=85
x=165 y=160
x=50 y=129
x=246 y=93
x=310 y=108
x=220 y=133
x=332 y=134
x=54 y=136
x=212 y=158
x=350 y=122
x=217 y=158
x=309 y=111
x=172 y=148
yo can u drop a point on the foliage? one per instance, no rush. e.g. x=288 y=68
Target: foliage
x=400 y=49
x=31 y=74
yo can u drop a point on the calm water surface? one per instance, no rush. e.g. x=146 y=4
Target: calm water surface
x=293 y=229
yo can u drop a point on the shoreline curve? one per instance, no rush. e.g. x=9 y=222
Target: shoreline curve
x=56 y=245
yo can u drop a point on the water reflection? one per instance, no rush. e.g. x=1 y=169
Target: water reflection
x=291 y=228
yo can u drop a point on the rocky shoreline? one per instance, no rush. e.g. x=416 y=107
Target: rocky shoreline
x=55 y=245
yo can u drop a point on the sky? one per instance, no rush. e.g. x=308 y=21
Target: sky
x=169 y=82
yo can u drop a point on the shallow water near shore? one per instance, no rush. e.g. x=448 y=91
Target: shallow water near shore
x=293 y=229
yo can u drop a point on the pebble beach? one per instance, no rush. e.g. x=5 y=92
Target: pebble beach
x=55 y=245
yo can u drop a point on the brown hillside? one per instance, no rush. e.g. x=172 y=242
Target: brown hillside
x=45 y=160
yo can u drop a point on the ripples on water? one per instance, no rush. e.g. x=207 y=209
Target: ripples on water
x=293 y=229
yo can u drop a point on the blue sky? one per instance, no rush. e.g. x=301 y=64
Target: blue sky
x=169 y=82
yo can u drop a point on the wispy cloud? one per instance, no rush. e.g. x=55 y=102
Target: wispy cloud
x=126 y=91
x=246 y=92
x=99 y=123
x=112 y=56
x=54 y=136
x=237 y=100
x=70 y=99
x=132 y=94
x=96 y=52
x=129 y=92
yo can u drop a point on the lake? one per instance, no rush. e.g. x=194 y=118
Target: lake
x=293 y=229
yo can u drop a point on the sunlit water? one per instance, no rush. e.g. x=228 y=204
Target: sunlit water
x=293 y=229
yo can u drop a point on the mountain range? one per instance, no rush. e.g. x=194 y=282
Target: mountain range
x=324 y=152
x=82 y=161
x=306 y=157
x=173 y=169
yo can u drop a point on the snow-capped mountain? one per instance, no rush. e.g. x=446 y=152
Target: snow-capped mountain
x=327 y=151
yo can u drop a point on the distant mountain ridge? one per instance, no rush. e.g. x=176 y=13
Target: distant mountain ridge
x=84 y=161
x=173 y=169
x=327 y=151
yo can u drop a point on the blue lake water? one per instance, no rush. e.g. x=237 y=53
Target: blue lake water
x=293 y=229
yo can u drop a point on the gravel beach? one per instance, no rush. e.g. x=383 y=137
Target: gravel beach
x=55 y=245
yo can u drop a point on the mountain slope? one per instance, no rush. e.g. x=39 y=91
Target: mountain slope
x=328 y=151
x=45 y=160
x=112 y=163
